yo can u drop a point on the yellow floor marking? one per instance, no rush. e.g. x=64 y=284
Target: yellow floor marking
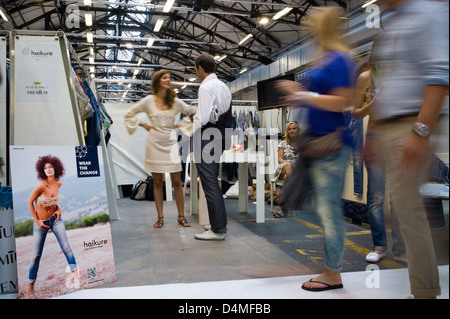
x=348 y=243
x=353 y=233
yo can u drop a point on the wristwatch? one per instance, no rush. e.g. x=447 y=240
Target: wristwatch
x=421 y=129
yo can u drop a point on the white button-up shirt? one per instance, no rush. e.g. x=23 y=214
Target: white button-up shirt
x=214 y=99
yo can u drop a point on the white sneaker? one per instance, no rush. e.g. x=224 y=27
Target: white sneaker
x=210 y=235
x=374 y=257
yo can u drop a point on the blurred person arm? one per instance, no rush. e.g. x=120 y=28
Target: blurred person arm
x=336 y=100
x=359 y=109
x=416 y=148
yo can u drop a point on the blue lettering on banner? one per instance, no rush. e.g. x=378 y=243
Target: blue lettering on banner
x=87 y=161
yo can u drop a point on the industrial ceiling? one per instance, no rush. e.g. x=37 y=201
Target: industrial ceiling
x=128 y=40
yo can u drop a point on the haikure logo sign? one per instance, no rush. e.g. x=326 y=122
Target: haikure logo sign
x=40 y=53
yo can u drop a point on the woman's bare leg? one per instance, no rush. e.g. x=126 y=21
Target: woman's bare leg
x=179 y=197
x=159 y=197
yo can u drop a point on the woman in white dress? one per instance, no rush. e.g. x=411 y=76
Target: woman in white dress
x=162 y=151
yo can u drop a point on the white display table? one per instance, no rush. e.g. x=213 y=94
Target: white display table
x=243 y=159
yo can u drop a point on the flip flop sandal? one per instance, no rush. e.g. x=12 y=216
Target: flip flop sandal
x=279 y=214
x=327 y=286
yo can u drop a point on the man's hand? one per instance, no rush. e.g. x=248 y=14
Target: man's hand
x=416 y=151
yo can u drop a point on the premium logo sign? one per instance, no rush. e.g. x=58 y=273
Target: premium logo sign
x=38 y=68
x=60 y=200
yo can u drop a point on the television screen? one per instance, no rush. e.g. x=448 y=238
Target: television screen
x=268 y=96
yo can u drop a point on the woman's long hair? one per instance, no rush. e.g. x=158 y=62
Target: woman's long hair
x=326 y=25
x=169 y=99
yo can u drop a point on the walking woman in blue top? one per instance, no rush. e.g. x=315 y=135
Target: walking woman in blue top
x=328 y=93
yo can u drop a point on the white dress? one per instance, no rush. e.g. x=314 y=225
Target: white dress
x=162 y=150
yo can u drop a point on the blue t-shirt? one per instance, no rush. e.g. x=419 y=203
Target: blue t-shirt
x=335 y=70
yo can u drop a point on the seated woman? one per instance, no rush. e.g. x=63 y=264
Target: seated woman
x=287 y=156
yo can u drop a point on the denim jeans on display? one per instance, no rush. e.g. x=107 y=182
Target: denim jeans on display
x=39 y=236
x=327 y=177
x=356 y=129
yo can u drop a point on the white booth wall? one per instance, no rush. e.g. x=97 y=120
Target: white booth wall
x=127 y=151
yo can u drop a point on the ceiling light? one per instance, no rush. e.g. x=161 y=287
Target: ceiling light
x=150 y=42
x=368 y=3
x=168 y=5
x=243 y=70
x=88 y=2
x=282 y=13
x=222 y=57
x=3 y=14
x=90 y=37
x=88 y=19
x=91 y=51
x=140 y=61
x=264 y=20
x=92 y=69
x=158 y=25
x=248 y=36
x=129 y=45
x=91 y=60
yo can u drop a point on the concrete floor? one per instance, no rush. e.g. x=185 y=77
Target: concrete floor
x=255 y=259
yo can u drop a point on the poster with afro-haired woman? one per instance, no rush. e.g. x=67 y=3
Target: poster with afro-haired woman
x=61 y=220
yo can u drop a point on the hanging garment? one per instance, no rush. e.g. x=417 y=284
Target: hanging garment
x=256 y=122
x=84 y=106
x=356 y=129
x=241 y=120
x=94 y=121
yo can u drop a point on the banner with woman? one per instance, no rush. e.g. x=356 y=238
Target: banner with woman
x=63 y=236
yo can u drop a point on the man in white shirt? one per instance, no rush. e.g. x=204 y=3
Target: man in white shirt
x=213 y=117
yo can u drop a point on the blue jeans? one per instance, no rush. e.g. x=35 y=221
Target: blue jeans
x=375 y=203
x=327 y=178
x=39 y=236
